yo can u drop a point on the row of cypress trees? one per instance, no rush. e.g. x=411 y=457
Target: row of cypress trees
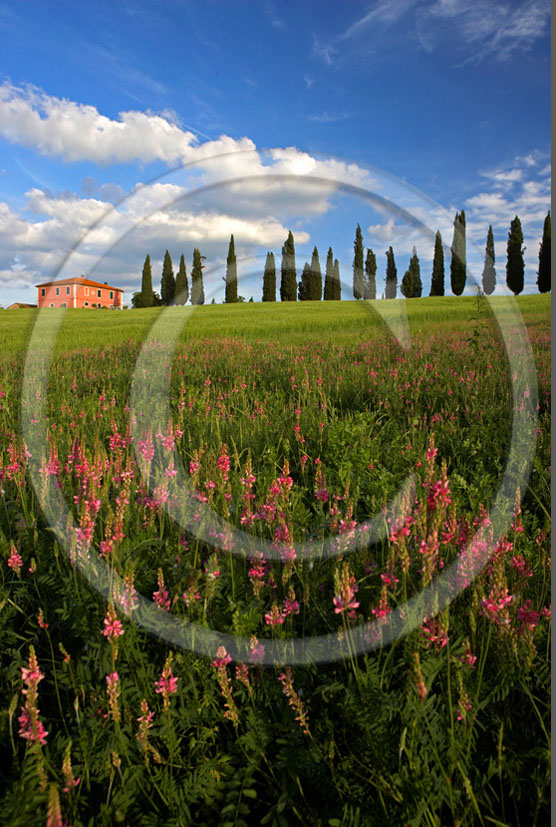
x=364 y=283
x=173 y=290
x=310 y=287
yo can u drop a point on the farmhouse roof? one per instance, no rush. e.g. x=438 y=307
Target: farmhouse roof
x=80 y=280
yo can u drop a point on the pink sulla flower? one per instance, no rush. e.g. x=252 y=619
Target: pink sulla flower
x=14 y=560
x=256 y=650
x=222 y=658
x=167 y=684
x=274 y=617
x=113 y=627
x=290 y=607
x=527 y=616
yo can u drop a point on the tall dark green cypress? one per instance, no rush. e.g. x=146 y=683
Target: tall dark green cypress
x=304 y=286
x=182 y=287
x=358 y=264
x=288 y=283
x=408 y=285
x=168 y=283
x=544 y=280
x=336 y=281
x=515 y=266
x=458 y=265
x=415 y=269
x=197 y=288
x=437 y=280
x=147 y=293
x=231 y=274
x=316 y=278
x=489 y=272
x=269 y=279
x=329 y=277
x=391 y=275
x=369 y=289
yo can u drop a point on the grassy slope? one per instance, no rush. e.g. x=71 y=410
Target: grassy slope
x=284 y=322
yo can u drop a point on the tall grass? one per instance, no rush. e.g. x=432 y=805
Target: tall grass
x=295 y=424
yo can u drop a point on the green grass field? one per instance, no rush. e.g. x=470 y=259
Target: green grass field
x=280 y=321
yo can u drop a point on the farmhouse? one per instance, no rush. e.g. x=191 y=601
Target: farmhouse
x=20 y=306
x=79 y=292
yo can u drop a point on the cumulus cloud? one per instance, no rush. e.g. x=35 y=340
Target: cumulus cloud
x=72 y=131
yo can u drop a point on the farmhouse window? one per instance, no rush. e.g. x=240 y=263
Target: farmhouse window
x=42 y=292
x=86 y=304
x=67 y=291
x=57 y=291
x=63 y=304
x=98 y=293
x=111 y=294
x=86 y=291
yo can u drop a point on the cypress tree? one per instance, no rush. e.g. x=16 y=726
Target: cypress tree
x=408 y=285
x=437 y=280
x=231 y=274
x=168 y=283
x=269 y=279
x=182 y=287
x=304 y=286
x=544 y=273
x=369 y=289
x=197 y=289
x=329 y=277
x=358 y=264
x=515 y=266
x=415 y=269
x=288 y=284
x=458 y=264
x=391 y=275
x=316 y=278
x=489 y=273
x=147 y=294
x=336 y=282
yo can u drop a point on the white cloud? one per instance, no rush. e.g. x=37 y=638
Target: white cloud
x=72 y=131
x=490 y=29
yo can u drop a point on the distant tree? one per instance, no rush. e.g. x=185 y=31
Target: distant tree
x=316 y=278
x=369 y=288
x=437 y=280
x=458 y=265
x=147 y=294
x=137 y=300
x=182 y=286
x=288 y=284
x=358 y=264
x=269 y=279
x=544 y=280
x=515 y=267
x=304 y=286
x=168 y=283
x=336 y=282
x=231 y=274
x=407 y=286
x=415 y=270
x=329 y=277
x=489 y=272
x=391 y=275
x=197 y=289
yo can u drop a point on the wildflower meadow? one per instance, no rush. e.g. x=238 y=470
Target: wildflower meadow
x=310 y=479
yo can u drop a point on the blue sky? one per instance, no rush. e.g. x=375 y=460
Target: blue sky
x=258 y=117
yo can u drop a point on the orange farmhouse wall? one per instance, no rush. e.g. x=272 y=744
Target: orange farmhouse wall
x=78 y=296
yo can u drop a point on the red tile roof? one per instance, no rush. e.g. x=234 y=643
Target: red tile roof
x=80 y=280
